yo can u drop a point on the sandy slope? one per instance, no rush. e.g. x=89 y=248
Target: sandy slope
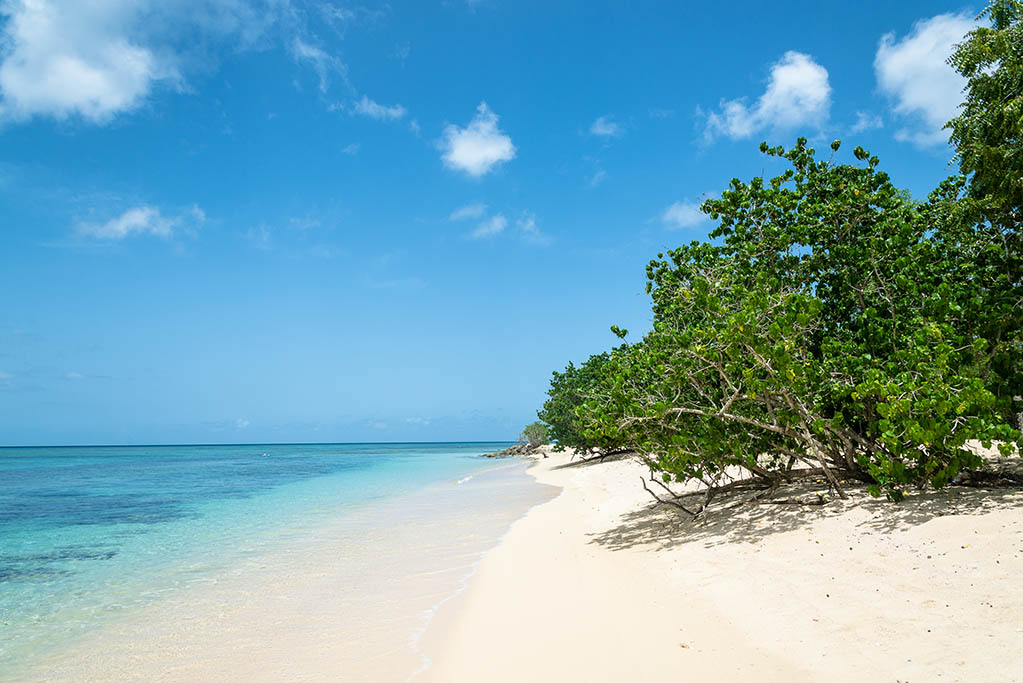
x=599 y=585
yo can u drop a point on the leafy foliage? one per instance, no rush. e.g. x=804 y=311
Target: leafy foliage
x=989 y=132
x=534 y=434
x=835 y=328
x=570 y=426
x=988 y=135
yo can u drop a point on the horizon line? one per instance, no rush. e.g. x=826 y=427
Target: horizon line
x=254 y=443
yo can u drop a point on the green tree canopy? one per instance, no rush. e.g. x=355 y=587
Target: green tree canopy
x=534 y=434
x=988 y=134
x=834 y=327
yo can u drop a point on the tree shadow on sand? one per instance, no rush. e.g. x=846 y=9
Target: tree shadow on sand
x=578 y=462
x=733 y=519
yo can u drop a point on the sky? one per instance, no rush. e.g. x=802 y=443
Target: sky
x=251 y=221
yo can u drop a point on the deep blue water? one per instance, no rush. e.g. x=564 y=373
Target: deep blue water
x=88 y=532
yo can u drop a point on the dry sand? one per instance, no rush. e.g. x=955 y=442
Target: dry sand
x=600 y=584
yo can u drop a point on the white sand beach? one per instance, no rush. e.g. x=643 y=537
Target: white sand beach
x=599 y=584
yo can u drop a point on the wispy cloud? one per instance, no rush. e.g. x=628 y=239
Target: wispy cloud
x=529 y=229
x=259 y=237
x=866 y=121
x=798 y=94
x=683 y=215
x=370 y=109
x=491 y=227
x=141 y=220
x=303 y=223
x=473 y=211
x=322 y=62
x=479 y=147
x=606 y=127
x=401 y=52
x=342 y=18
x=914 y=74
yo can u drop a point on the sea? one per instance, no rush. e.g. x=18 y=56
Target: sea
x=255 y=561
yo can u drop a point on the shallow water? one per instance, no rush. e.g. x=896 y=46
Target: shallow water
x=126 y=562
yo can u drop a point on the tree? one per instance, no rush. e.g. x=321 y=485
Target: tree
x=534 y=434
x=571 y=425
x=988 y=134
x=837 y=329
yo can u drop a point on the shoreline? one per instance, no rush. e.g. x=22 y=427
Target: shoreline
x=440 y=608
x=600 y=584
x=345 y=599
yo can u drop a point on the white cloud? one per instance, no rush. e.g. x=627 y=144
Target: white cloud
x=599 y=176
x=605 y=127
x=683 y=215
x=351 y=150
x=494 y=225
x=95 y=59
x=479 y=147
x=74 y=58
x=913 y=72
x=73 y=376
x=141 y=220
x=343 y=18
x=241 y=423
x=417 y=421
x=866 y=121
x=468 y=211
x=321 y=61
x=797 y=94
x=369 y=108
x=527 y=224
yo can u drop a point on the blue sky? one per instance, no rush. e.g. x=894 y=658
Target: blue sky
x=288 y=220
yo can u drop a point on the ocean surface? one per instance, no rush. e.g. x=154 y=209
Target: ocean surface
x=98 y=544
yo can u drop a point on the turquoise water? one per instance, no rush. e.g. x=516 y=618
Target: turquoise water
x=89 y=534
